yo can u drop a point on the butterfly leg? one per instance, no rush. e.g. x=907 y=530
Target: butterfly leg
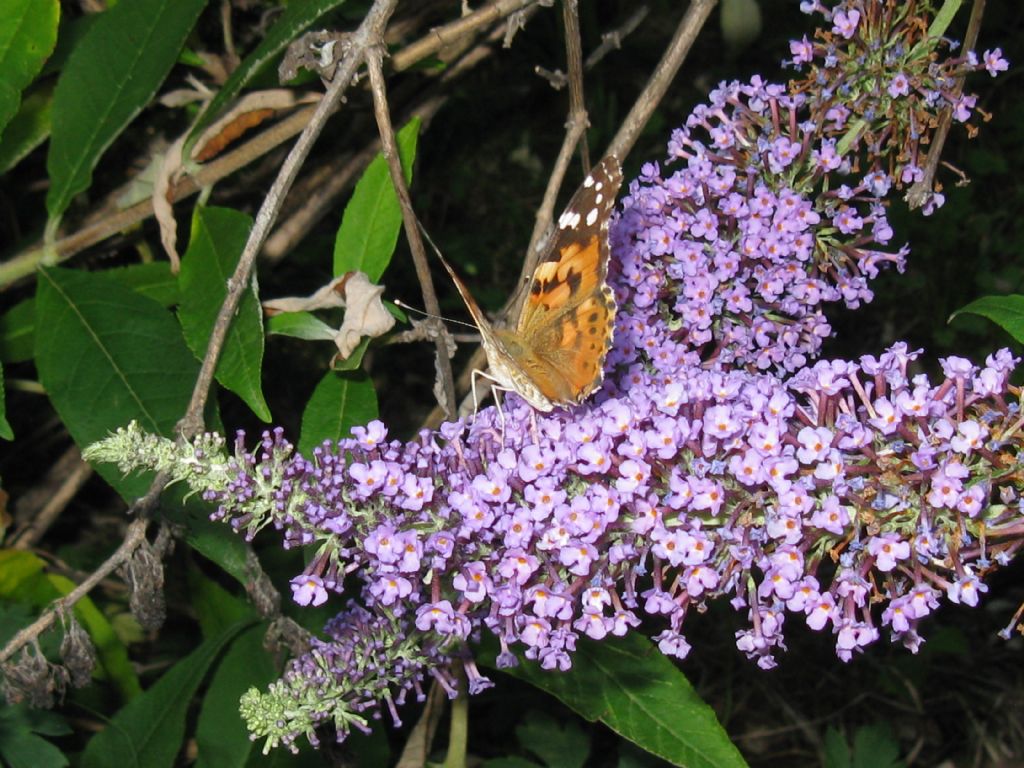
x=495 y=388
x=534 y=432
x=472 y=379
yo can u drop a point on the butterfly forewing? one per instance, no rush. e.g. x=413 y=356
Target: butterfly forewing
x=565 y=274
x=568 y=317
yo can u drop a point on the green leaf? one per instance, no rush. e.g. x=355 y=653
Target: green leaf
x=17 y=325
x=943 y=19
x=215 y=608
x=298 y=16
x=631 y=687
x=558 y=745
x=875 y=747
x=353 y=361
x=5 y=428
x=221 y=736
x=17 y=567
x=20 y=747
x=837 y=754
x=1005 y=311
x=17 y=332
x=218 y=237
x=214 y=541
x=339 y=402
x=110 y=76
x=29 y=128
x=107 y=356
x=300 y=325
x=28 y=32
x=23 y=579
x=369 y=227
x=149 y=731
x=153 y=280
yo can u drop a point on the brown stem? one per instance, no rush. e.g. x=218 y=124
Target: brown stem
x=107 y=224
x=576 y=135
x=135 y=536
x=613 y=40
x=920 y=192
x=374 y=64
x=368 y=34
x=62 y=482
x=438 y=38
x=574 y=63
x=692 y=22
x=319 y=190
x=26 y=262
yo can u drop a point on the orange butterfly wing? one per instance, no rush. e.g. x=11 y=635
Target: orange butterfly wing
x=566 y=324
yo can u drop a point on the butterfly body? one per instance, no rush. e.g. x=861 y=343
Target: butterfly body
x=554 y=355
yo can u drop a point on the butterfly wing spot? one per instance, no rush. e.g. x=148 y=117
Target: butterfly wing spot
x=588 y=182
x=569 y=220
x=592 y=216
x=555 y=291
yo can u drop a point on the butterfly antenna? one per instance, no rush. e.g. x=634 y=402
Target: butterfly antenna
x=437 y=251
x=442 y=318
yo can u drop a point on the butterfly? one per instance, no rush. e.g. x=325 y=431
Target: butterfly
x=554 y=354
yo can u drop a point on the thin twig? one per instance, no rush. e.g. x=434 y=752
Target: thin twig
x=230 y=53
x=692 y=22
x=576 y=128
x=921 y=191
x=440 y=37
x=68 y=474
x=368 y=34
x=375 y=66
x=576 y=133
x=611 y=41
x=133 y=538
x=574 y=63
x=319 y=191
x=25 y=263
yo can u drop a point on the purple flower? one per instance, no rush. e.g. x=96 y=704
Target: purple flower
x=888 y=550
x=994 y=62
x=845 y=24
x=966 y=589
x=802 y=50
x=308 y=589
x=899 y=85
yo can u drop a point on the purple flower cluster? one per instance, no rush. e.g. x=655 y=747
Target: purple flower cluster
x=745 y=246
x=876 y=75
x=311 y=692
x=720 y=460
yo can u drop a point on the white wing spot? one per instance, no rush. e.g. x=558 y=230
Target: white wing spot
x=568 y=220
x=598 y=198
x=599 y=186
x=589 y=182
x=592 y=217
